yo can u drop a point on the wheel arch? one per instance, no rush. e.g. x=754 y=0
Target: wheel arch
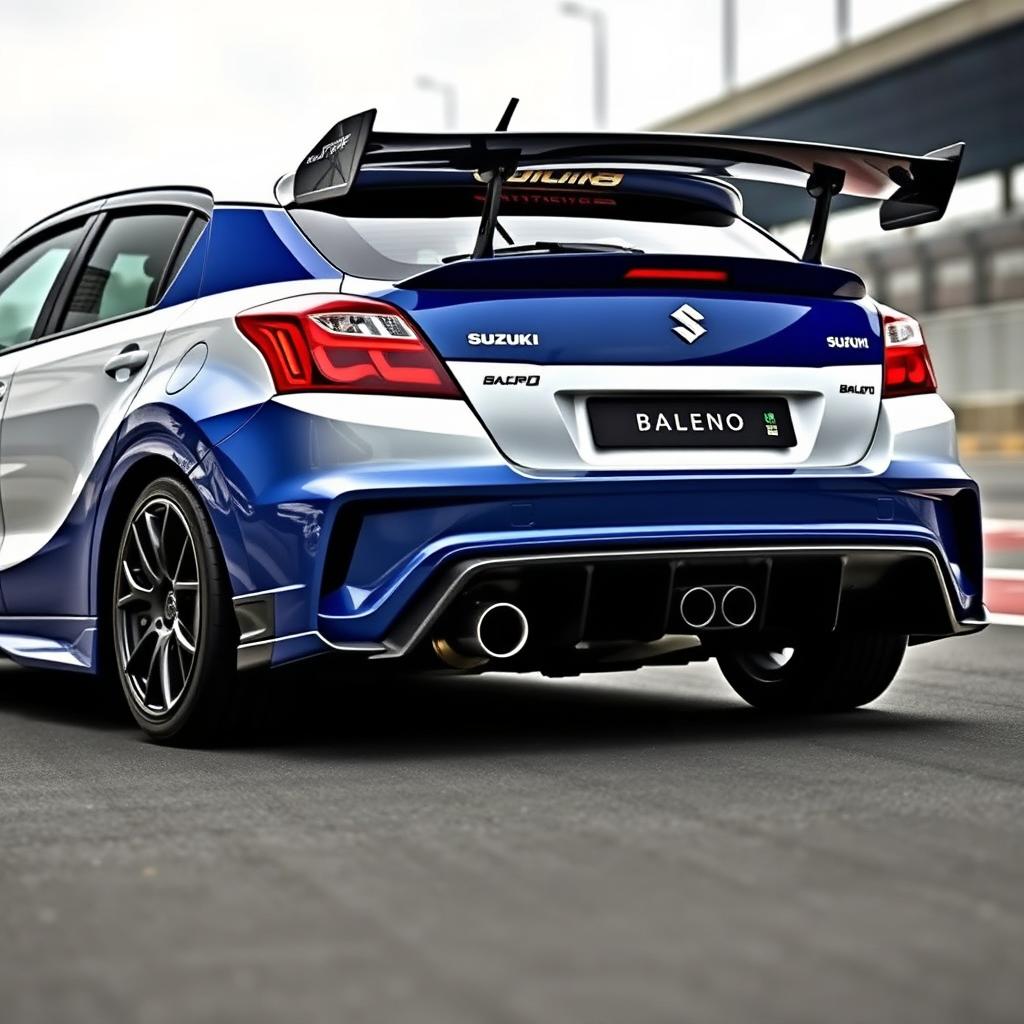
x=140 y=466
x=119 y=498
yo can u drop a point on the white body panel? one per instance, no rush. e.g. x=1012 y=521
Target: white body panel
x=546 y=427
x=61 y=411
x=8 y=364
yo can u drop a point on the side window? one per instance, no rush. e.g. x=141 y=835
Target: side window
x=25 y=283
x=124 y=269
x=195 y=229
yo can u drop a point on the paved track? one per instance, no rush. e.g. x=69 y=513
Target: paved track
x=623 y=849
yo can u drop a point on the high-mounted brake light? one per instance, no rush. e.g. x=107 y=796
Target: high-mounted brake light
x=352 y=344
x=674 y=274
x=908 y=367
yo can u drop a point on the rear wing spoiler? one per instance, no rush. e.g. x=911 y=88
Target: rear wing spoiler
x=912 y=189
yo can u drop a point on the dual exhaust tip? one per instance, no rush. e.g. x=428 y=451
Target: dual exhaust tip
x=718 y=606
x=497 y=630
x=485 y=631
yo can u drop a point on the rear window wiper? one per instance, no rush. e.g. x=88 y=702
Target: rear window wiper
x=519 y=250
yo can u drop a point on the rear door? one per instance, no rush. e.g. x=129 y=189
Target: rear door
x=73 y=386
x=29 y=277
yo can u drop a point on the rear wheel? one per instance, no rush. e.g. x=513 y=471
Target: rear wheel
x=838 y=672
x=175 y=636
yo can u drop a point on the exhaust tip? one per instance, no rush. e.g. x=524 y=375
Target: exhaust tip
x=697 y=607
x=502 y=630
x=739 y=606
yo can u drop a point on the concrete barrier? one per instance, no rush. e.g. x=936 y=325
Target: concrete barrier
x=990 y=422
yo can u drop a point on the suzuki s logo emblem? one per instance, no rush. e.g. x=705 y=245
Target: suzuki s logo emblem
x=689 y=321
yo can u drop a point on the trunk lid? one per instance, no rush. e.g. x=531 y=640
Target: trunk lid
x=538 y=342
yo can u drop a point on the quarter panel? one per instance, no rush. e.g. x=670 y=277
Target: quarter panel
x=62 y=411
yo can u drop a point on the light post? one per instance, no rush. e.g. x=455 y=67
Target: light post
x=599 y=30
x=449 y=97
x=843 y=22
x=729 y=45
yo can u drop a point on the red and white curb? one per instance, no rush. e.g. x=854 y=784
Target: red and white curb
x=1004 y=596
x=1004 y=534
x=1004 y=588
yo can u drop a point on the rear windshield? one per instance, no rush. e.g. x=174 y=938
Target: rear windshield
x=385 y=240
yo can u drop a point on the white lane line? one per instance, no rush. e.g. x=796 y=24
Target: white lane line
x=1005 y=574
x=998 y=619
x=1002 y=525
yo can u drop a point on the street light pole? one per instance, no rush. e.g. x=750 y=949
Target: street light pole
x=729 y=45
x=843 y=22
x=449 y=97
x=599 y=33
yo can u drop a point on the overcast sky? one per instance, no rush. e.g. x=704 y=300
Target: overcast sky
x=229 y=94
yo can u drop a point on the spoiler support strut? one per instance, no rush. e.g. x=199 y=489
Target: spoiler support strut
x=822 y=185
x=484 y=247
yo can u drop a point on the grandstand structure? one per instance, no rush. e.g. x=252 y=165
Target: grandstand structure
x=955 y=74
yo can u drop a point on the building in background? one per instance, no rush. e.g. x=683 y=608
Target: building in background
x=957 y=73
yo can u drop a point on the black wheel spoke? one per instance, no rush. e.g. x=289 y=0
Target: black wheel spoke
x=136 y=593
x=176 y=575
x=153 y=687
x=137 y=658
x=184 y=638
x=156 y=541
x=144 y=560
x=184 y=662
x=164 y=668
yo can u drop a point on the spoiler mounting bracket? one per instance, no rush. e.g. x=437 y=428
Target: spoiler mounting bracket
x=496 y=177
x=823 y=183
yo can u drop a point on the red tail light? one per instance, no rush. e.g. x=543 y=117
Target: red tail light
x=351 y=344
x=908 y=367
x=674 y=274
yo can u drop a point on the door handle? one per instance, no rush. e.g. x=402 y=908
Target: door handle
x=126 y=363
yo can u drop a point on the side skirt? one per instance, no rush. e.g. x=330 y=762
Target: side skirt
x=50 y=641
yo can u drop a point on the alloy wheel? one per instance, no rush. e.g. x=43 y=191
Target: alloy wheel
x=158 y=607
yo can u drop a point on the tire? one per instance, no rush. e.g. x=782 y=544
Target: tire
x=175 y=636
x=838 y=672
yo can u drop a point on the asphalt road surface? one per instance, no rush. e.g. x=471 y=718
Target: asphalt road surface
x=628 y=848
x=622 y=849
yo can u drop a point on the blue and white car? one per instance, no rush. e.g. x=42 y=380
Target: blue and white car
x=543 y=402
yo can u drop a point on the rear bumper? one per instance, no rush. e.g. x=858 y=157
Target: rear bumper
x=336 y=543
x=632 y=593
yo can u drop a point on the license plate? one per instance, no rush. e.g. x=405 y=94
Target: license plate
x=690 y=421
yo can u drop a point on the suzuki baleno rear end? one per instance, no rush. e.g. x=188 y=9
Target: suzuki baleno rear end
x=544 y=403
x=637 y=430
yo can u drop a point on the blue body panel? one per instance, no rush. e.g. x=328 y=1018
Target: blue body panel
x=243 y=247
x=588 y=327
x=284 y=479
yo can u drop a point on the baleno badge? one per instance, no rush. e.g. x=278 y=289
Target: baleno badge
x=689 y=321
